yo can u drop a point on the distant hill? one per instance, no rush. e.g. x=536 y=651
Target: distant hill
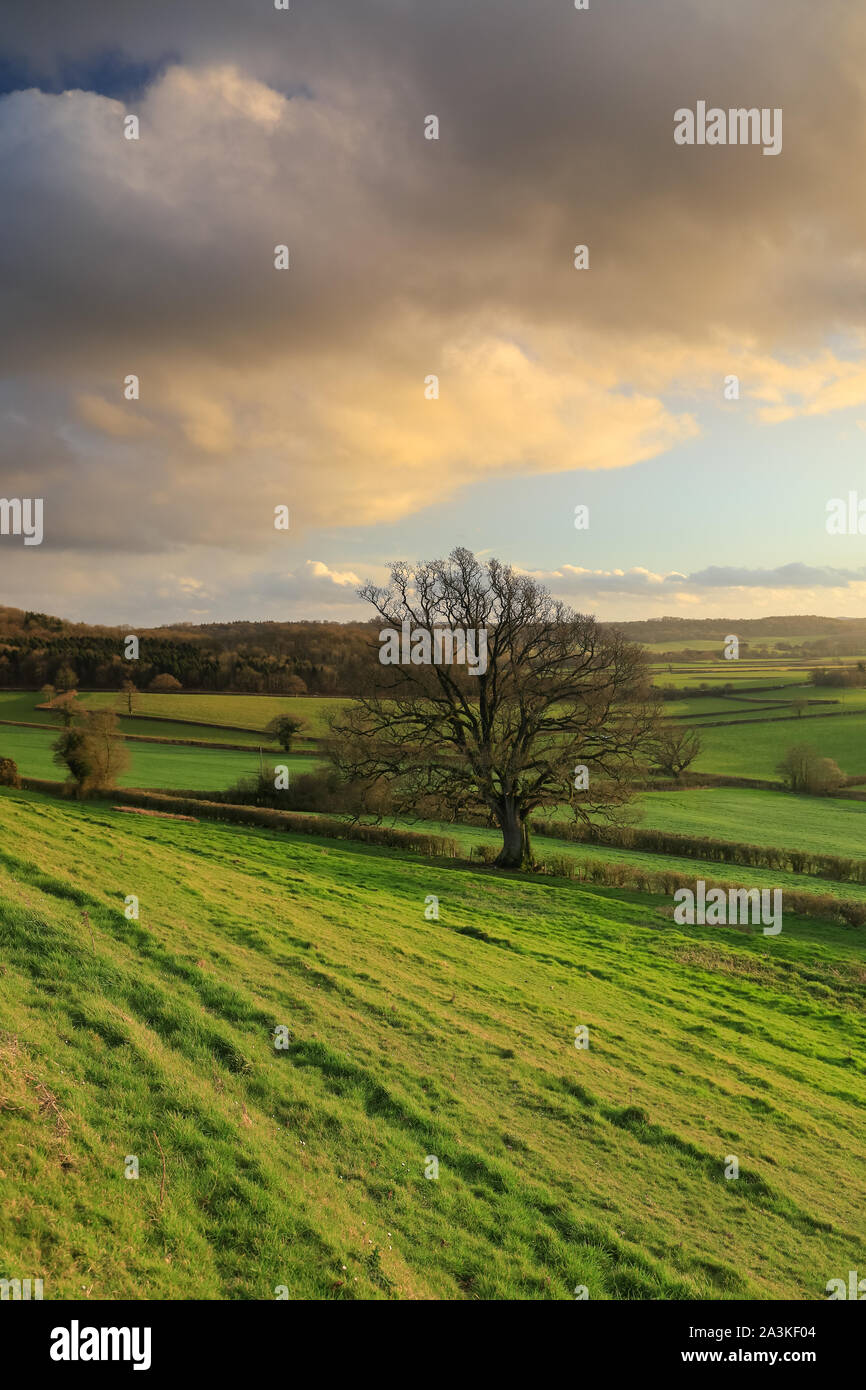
x=675 y=629
x=329 y=658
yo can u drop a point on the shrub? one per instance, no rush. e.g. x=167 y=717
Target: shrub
x=9 y=773
x=92 y=751
x=804 y=770
x=284 y=729
x=165 y=682
x=486 y=853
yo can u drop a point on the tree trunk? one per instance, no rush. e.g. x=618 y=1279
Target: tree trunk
x=516 y=852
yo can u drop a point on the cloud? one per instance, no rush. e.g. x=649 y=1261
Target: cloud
x=315 y=569
x=793 y=576
x=409 y=258
x=111 y=419
x=574 y=579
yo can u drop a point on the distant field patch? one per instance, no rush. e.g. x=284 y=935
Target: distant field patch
x=152 y=765
x=826 y=826
x=753 y=750
x=248 y=711
x=21 y=705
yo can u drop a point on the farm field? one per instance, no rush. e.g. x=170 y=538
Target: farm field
x=407 y=1038
x=713 y=645
x=827 y=826
x=151 y=765
x=689 y=678
x=737 y=713
x=755 y=749
x=183 y=729
x=247 y=711
x=21 y=706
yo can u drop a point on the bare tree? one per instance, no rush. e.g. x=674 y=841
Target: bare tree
x=558 y=696
x=804 y=770
x=130 y=695
x=675 y=747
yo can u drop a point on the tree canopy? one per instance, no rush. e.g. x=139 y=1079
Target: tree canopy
x=560 y=712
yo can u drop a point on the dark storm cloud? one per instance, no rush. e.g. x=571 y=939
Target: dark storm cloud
x=409 y=256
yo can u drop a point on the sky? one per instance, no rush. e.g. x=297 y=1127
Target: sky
x=309 y=388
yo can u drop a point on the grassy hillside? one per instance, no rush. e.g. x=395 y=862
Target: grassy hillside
x=407 y=1038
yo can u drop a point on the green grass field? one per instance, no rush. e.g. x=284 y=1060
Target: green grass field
x=21 y=705
x=182 y=729
x=754 y=750
x=550 y=848
x=725 y=673
x=151 y=764
x=713 y=645
x=408 y=1039
x=760 y=818
x=247 y=711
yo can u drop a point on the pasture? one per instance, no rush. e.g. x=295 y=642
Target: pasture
x=408 y=1040
x=828 y=826
x=152 y=765
x=754 y=750
x=246 y=711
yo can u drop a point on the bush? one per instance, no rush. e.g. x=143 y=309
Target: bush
x=804 y=770
x=92 y=751
x=284 y=729
x=165 y=683
x=9 y=773
x=323 y=791
x=485 y=853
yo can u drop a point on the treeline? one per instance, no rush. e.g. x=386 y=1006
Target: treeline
x=841 y=868
x=303 y=658
x=324 y=658
x=847 y=632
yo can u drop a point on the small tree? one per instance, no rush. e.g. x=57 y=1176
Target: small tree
x=674 y=748
x=804 y=770
x=130 y=694
x=165 y=683
x=110 y=755
x=65 y=679
x=9 y=773
x=47 y=694
x=67 y=706
x=284 y=728
x=799 y=708
x=92 y=751
x=73 y=751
